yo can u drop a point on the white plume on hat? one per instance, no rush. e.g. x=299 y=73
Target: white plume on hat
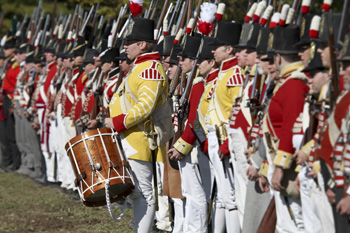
x=3 y=40
x=259 y=10
x=275 y=19
x=220 y=11
x=315 y=27
x=266 y=16
x=250 y=13
x=206 y=18
x=284 y=14
x=305 y=6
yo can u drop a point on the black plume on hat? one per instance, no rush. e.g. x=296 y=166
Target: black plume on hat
x=205 y=49
x=228 y=33
x=140 y=29
x=287 y=37
x=190 y=47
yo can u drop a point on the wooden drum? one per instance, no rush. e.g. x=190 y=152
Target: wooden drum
x=96 y=157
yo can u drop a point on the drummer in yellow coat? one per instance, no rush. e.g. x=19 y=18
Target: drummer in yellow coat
x=144 y=90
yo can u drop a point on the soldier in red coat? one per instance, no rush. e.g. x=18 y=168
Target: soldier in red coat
x=10 y=154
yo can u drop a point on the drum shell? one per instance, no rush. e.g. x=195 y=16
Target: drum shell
x=90 y=183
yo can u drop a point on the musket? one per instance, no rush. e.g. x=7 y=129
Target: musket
x=37 y=12
x=86 y=21
x=66 y=24
x=24 y=21
x=75 y=16
x=154 y=10
x=97 y=93
x=80 y=17
x=162 y=15
x=182 y=17
x=44 y=30
x=2 y=17
x=94 y=20
x=54 y=28
x=175 y=12
x=53 y=17
x=343 y=18
x=334 y=87
x=38 y=26
x=175 y=81
x=31 y=21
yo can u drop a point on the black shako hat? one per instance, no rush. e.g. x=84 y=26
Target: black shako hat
x=30 y=53
x=324 y=27
x=305 y=31
x=89 y=56
x=20 y=49
x=140 y=29
x=10 y=41
x=205 y=50
x=315 y=61
x=262 y=41
x=159 y=47
x=2 y=54
x=190 y=47
x=345 y=55
x=288 y=36
x=50 y=48
x=173 y=60
x=110 y=55
x=228 y=33
x=249 y=36
x=60 y=48
x=79 y=49
x=168 y=45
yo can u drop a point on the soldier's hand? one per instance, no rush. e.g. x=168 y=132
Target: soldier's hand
x=92 y=124
x=79 y=123
x=109 y=123
x=343 y=207
x=175 y=154
x=297 y=184
x=331 y=196
x=35 y=126
x=19 y=112
x=312 y=172
x=252 y=173
x=221 y=155
x=263 y=183
x=248 y=153
x=277 y=178
x=26 y=114
x=300 y=157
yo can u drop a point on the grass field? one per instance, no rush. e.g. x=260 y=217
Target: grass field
x=27 y=207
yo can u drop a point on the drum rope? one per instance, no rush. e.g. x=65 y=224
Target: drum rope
x=108 y=201
x=104 y=146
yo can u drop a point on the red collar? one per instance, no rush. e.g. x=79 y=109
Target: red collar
x=51 y=65
x=229 y=63
x=212 y=75
x=147 y=57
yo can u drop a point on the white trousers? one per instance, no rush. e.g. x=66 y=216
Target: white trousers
x=196 y=206
x=142 y=196
x=225 y=184
x=317 y=211
x=179 y=215
x=237 y=146
x=48 y=156
x=162 y=215
x=70 y=132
